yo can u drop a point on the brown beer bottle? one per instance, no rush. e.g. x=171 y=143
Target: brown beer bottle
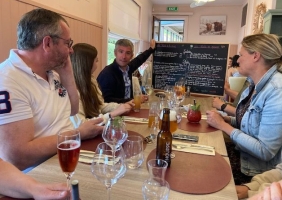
x=164 y=139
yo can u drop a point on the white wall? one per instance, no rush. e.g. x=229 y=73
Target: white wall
x=146 y=24
x=191 y=31
x=85 y=9
x=233 y=18
x=248 y=28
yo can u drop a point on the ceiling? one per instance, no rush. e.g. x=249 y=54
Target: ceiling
x=214 y=3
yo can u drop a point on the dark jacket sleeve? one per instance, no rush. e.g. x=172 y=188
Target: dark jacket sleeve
x=139 y=60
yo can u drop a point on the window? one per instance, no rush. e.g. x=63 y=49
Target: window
x=124 y=22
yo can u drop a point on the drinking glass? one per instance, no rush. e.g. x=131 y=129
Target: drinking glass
x=179 y=92
x=108 y=169
x=154 y=112
x=156 y=187
x=137 y=101
x=148 y=89
x=133 y=149
x=168 y=91
x=68 y=146
x=114 y=133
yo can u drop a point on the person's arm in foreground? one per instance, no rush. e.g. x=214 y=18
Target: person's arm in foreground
x=259 y=182
x=67 y=80
x=273 y=192
x=14 y=183
x=19 y=147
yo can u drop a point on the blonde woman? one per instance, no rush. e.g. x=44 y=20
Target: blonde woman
x=256 y=130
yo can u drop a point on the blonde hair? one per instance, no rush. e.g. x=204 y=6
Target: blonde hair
x=267 y=45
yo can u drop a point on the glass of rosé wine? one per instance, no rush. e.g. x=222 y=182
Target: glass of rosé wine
x=68 y=146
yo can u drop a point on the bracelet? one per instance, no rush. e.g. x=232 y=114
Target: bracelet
x=223 y=106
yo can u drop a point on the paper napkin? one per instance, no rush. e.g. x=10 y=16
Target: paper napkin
x=86 y=156
x=193 y=148
x=135 y=119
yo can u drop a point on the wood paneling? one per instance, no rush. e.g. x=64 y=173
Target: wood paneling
x=11 y=12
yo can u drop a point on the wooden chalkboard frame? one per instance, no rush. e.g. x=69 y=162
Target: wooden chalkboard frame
x=204 y=66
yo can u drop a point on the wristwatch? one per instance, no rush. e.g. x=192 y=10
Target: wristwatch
x=223 y=106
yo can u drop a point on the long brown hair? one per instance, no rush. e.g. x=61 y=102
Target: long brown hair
x=82 y=61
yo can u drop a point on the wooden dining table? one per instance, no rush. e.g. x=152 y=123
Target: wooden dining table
x=130 y=186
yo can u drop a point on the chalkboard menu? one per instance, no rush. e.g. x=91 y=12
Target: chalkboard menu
x=202 y=65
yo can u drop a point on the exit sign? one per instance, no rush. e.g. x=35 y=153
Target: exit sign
x=172 y=8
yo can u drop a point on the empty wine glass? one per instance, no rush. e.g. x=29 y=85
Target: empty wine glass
x=148 y=89
x=115 y=133
x=108 y=169
x=168 y=91
x=68 y=146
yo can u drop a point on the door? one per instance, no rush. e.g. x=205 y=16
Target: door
x=156 y=28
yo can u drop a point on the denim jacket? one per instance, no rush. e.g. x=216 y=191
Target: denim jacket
x=259 y=139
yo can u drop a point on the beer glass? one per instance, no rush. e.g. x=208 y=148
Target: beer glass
x=153 y=113
x=68 y=146
x=173 y=120
x=137 y=101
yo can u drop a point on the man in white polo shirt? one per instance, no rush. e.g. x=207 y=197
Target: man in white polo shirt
x=37 y=91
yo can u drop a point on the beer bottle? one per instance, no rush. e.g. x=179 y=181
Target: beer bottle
x=164 y=139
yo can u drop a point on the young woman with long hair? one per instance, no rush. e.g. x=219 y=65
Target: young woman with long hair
x=91 y=105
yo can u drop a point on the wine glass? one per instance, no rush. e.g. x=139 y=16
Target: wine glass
x=169 y=91
x=179 y=92
x=68 y=146
x=148 y=89
x=106 y=168
x=115 y=133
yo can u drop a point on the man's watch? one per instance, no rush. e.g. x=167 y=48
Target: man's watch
x=223 y=106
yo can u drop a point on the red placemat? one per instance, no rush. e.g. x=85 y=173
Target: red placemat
x=201 y=127
x=196 y=174
x=91 y=144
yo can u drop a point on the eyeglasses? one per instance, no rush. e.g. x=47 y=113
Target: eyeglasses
x=68 y=42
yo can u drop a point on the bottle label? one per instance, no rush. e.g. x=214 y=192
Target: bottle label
x=167 y=151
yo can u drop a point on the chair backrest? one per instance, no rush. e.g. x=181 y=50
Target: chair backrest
x=236 y=83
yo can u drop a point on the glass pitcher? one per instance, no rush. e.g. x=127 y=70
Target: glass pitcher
x=156 y=187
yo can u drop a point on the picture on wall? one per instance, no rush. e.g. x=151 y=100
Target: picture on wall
x=213 y=25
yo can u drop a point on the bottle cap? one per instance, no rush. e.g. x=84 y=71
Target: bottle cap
x=74 y=190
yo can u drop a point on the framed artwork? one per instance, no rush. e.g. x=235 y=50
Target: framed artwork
x=213 y=25
x=244 y=15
